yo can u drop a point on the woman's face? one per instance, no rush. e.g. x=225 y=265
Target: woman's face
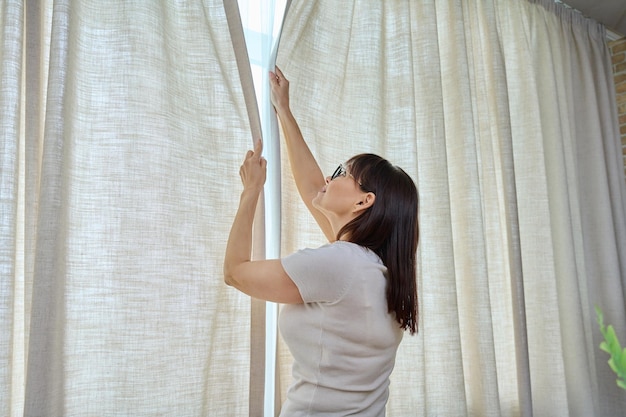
x=339 y=195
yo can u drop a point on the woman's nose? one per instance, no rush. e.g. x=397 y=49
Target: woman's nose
x=327 y=179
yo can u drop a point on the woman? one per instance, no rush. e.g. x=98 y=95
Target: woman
x=349 y=301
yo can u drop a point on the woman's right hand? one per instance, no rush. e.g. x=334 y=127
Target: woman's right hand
x=254 y=168
x=280 y=91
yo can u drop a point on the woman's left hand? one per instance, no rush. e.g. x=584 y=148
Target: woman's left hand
x=279 y=91
x=253 y=169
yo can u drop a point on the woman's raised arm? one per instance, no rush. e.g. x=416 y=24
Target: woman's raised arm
x=265 y=280
x=306 y=172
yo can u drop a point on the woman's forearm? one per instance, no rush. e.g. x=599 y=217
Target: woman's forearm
x=239 y=246
x=306 y=171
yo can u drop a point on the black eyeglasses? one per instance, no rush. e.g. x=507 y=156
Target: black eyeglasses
x=342 y=172
x=339 y=172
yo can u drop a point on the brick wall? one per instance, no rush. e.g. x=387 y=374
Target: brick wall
x=618 y=52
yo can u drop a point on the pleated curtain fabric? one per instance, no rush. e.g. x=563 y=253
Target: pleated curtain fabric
x=504 y=114
x=11 y=207
x=143 y=131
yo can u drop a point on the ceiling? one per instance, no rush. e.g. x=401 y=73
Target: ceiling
x=611 y=13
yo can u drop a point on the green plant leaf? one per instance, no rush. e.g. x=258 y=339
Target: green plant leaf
x=611 y=345
x=611 y=339
x=621 y=364
x=605 y=347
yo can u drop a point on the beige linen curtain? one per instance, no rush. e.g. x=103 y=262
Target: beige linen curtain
x=119 y=181
x=11 y=303
x=504 y=113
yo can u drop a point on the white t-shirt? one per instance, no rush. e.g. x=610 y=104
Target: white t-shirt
x=342 y=338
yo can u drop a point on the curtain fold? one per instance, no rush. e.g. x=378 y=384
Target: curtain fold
x=11 y=207
x=256 y=383
x=504 y=114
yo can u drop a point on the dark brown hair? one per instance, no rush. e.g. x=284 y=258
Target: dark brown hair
x=389 y=228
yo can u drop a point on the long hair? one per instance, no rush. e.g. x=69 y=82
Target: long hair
x=390 y=229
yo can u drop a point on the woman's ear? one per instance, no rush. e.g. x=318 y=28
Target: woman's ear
x=366 y=201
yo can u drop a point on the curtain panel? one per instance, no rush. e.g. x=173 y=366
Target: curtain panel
x=116 y=184
x=504 y=114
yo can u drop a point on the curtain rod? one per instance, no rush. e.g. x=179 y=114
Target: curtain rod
x=611 y=35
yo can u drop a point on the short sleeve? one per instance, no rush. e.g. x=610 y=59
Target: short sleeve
x=322 y=274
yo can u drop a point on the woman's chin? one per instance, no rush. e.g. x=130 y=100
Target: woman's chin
x=317 y=202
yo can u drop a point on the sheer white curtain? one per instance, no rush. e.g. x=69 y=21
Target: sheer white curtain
x=504 y=113
x=115 y=197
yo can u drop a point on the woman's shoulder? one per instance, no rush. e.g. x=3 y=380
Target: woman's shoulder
x=343 y=254
x=354 y=250
x=336 y=254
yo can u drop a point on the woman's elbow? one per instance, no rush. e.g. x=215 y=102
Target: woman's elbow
x=236 y=275
x=229 y=279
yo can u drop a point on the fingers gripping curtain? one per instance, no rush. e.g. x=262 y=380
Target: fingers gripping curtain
x=143 y=123
x=503 y=112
